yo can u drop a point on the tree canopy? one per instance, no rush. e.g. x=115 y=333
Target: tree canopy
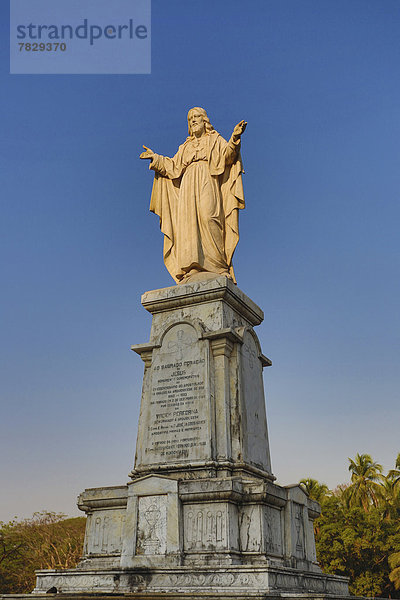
x=46 y=541
x=358 y=532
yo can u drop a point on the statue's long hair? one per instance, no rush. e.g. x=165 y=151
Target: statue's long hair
x=207 y=124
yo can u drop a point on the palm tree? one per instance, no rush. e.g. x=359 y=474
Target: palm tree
x=394 y=474
x=341 y=493
x=365 y=475
x=315 y=490
x=389 y=498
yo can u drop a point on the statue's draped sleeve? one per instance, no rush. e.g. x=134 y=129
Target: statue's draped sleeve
x=164 y=201
x=226 y=166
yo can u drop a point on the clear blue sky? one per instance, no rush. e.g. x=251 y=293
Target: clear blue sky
x=318 y=82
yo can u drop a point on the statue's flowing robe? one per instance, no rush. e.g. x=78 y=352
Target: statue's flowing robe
x=197 y=195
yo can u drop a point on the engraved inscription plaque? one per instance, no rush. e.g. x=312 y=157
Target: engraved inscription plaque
x=179 y=414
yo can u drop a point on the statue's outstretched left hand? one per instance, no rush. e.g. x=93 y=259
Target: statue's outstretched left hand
x=239 y=129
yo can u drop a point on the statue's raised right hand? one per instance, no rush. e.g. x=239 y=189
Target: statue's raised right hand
x=147 y=154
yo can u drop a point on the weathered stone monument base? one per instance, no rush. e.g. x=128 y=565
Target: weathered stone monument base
x=192 y=583
x=202 y=515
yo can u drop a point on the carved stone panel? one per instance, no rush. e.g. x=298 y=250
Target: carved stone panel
x=272 y=530
x=104 y=532
x=250 y=528
x=152 y=525
x=71 y=582
x=205 y=527
x=178 y=415
x=298 y=544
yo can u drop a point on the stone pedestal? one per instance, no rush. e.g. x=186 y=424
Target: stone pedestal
x=201 y=513
x=203 y=399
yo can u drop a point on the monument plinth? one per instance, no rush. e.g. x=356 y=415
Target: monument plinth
x=203 y=398
x=201 y=514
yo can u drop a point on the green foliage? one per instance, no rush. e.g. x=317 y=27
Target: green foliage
x=46 y=541
x=356 y=543
x=394 y=575
x=316 y=491
x=395 y=473
x=365 y=475
x=358 y=532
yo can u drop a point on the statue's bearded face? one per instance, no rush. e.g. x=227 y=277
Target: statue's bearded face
x=196 y=123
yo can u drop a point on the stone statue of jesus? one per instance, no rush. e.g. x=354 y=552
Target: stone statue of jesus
x=197 y=194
